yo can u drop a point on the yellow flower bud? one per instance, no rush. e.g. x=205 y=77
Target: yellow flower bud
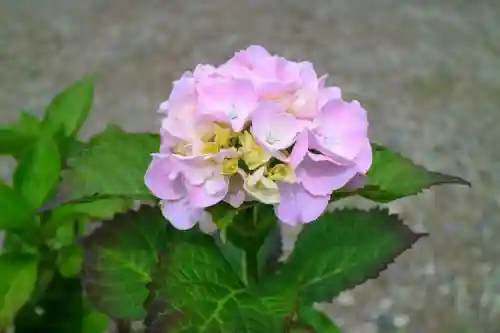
x=229 y=166
x=210 y=148
x=253 y=154
x=282 y=172
x=222 y=135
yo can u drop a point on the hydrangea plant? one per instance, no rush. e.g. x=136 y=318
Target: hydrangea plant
x=243 y=147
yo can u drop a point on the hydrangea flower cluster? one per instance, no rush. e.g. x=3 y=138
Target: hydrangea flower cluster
x=257 y=128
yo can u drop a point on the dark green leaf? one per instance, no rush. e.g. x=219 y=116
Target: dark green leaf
x=18 y=241
x=16 y=213
x=18 y=273
x=317 y=321
x=270 y=252
x=59 y=310
x=69 y=260
x=119 y=259
x=15 y=139
x=195 y=290
x=99 y=209
x=251 y=226
x=343 y=249
x=112 y=164
x=67 y=112
x=37 y=173
x=393 y=176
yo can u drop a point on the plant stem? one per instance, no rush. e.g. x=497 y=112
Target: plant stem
x=123 y=326
x=252 y=269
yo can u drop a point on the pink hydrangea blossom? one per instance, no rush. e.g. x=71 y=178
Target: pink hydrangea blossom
x=257 y=128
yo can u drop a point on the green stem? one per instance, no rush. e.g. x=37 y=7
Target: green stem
x=252 y=266
x=252 y=269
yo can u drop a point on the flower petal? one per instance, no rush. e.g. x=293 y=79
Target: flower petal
x=180 y=213
x=298 y=205
x=163 y=181
x=321 y=176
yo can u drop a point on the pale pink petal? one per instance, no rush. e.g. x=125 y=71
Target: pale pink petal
x=341 y=129
x=207 y=194
x=180 y=213
x=320 y=176
x=299 y=206
x=236 y=195
x=358 y=181
x=364 y=159
x=299 y=149
x=163 y=181
x=274 y=128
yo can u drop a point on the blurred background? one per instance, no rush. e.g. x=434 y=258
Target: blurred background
x=427 y=71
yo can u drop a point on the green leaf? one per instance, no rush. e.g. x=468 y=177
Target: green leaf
x=60 y=309
x=119 y=261
x=223 y=216
x=67 y=112
x=22 y=242
x=95 y=322
x=195 y=290
x=316 y=321
x=251 y=226
x=112 y=164
x=393 y=176
x=99 y=209
x=37 y=173
x=69 y=260
x=18 y=278
x=15 y=139
x=16 y=213
x=343 y=249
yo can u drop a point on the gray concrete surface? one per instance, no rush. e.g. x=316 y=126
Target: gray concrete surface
x=428 y=72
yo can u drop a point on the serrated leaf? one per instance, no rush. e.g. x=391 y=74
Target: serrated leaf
x=113 y=163
x=393 y=176
x=15 y=139
x=100 y=209
x=195 y=290
x=18 y=278
x=315 y=321
x=37 y=173
x=67 y=111
x=343 y=249
x=16 y=213
x=119 y=260
x=69 y=260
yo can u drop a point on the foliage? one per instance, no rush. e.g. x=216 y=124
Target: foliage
x=56 y=276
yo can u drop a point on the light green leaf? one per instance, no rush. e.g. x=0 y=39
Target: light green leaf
x=37 y=173
x=69 y=260
x=315 y=321
x=100 y=209
x=343 y=249
x=393 y=176
x=112 y=164
x=119 y=260
x=195 y=290
x=67 y=112
x=15 y=139
x=18 y=277
x=95 y=322
x=16 y=213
